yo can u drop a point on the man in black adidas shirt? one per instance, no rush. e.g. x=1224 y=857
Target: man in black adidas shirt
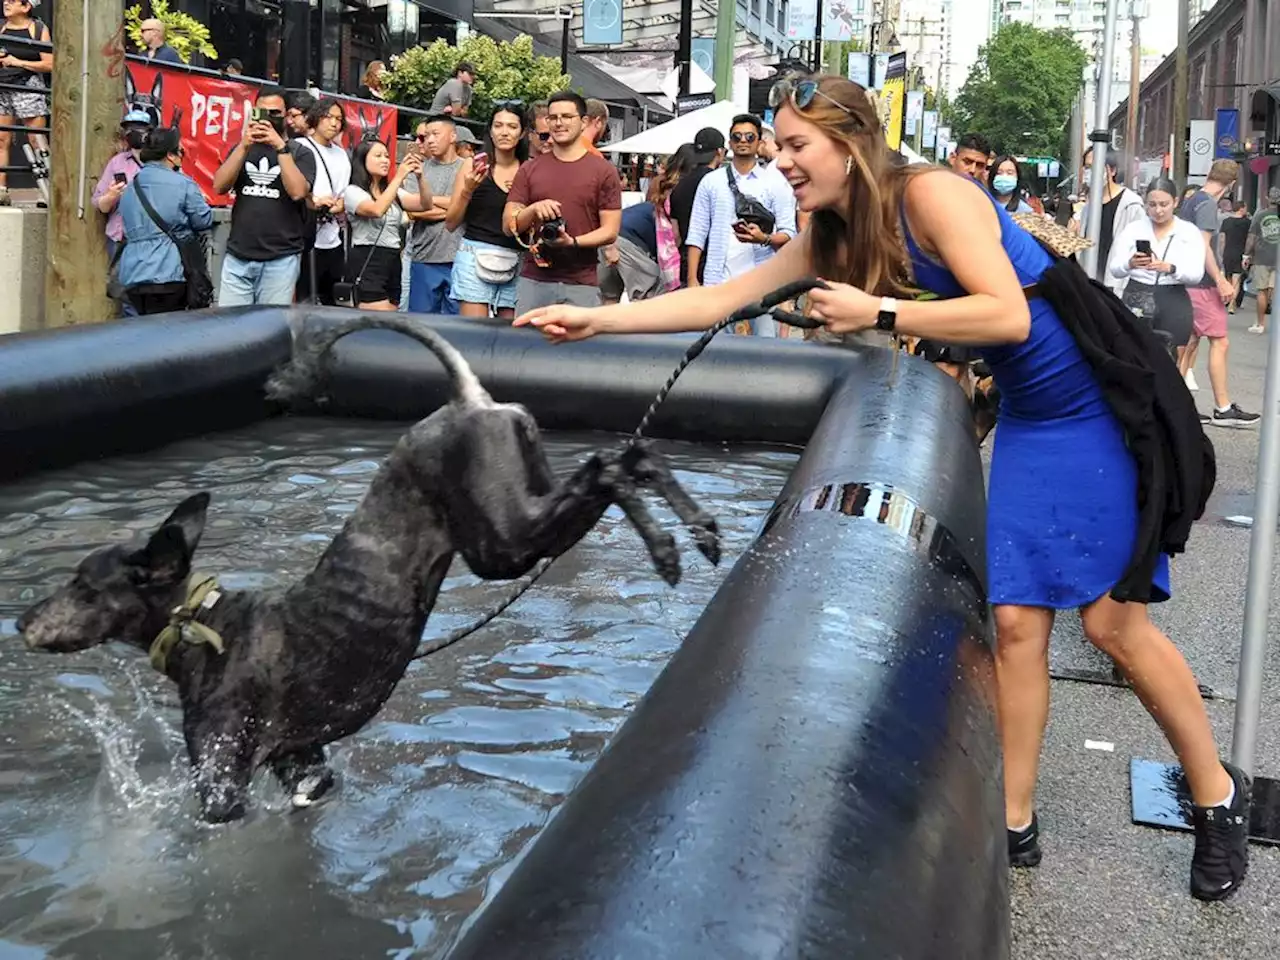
x=272 y=179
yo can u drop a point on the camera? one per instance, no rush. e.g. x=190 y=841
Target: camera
x=549 y=232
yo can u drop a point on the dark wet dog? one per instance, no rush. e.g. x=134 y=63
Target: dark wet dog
x=300 y=669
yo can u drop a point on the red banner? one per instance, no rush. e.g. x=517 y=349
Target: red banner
x=211 y=112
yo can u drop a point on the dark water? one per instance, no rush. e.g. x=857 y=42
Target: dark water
x=100 y=856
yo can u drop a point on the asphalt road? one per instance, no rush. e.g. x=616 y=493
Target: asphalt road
x=1108 y=888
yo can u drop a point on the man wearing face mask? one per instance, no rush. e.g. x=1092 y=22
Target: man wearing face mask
x=118 y=174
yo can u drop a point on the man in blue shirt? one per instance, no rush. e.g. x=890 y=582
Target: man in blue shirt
x=717 y=236
x=157 y=50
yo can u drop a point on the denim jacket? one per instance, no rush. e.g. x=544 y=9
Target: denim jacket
x=149 y=256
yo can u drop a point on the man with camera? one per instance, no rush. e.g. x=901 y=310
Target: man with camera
x=563 y=206
x=272 y=179
x=742 y=214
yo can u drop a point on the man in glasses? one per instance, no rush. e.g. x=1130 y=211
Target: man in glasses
x=565 y=205
x=730 y=244
x=295 y=114
x=539 y=130
x=432 y=247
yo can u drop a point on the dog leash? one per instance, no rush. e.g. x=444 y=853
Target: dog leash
x=768 y=305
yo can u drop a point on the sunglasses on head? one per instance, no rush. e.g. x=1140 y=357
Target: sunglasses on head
x=801 y=94
x=742 y=137
x=514 y=105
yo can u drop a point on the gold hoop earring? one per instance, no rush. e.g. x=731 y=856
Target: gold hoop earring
x=848 y=166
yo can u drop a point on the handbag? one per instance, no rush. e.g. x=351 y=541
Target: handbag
x=195 y=267
x=749 y=209
x=1142 y=301
x=668 y=246
x=115 y=289
x=345 y=294
x=496 y=266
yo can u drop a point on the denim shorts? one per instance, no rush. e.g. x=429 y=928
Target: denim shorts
x=466 y=287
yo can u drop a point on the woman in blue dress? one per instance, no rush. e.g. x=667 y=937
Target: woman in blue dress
x=1063 y=498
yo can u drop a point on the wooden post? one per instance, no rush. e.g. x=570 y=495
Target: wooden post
x=88 y=93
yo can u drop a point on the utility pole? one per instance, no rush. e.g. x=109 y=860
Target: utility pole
x=1180 y=93
x=726 y=34
x=88 y=90
x=684 y=44
x=1131 y=136
x=1100 y=137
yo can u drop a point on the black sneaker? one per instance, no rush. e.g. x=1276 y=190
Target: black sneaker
x=1024 y=845
x=1221 y=859
x=1233 y=416
x=1205 y=418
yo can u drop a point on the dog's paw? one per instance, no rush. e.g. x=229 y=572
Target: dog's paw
x=666 y=559
x=706 y=535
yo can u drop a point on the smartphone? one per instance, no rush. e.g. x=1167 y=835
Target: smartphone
x=121 y=178
x=481 y=159
x=1144 y=247
x=273 y=117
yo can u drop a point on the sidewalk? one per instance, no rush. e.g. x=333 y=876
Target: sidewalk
x=1107 y=888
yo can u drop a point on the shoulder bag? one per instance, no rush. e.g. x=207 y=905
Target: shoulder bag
x=347 y=294
x=748 y=209
x=195 y=267
x=1142 y=301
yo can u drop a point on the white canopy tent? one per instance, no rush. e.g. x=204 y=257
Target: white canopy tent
x=669 y=137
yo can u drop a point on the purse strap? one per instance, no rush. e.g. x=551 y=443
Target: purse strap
x=155 y=217
x=1167 y=245
x=374 y=246
x=733 y=182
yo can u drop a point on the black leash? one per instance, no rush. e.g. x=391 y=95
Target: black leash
x=769 y=305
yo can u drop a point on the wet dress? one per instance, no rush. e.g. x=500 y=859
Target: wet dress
x=1062 y=500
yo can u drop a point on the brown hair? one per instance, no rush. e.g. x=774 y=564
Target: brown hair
x=371 y=74
x=868 y=251
x=1225 y=172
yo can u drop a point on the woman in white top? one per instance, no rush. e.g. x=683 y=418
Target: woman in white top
x=374 y=210
x=1160 y=256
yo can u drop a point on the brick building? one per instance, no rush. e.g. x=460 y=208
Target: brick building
x=1233 y=54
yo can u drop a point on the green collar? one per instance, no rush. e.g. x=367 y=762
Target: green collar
x=202 y=594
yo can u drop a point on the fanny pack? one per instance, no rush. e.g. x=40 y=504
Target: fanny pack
x=748 y=209
x=496 y=266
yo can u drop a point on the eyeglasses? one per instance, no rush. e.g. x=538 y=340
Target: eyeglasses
x=742 y=137
x=563 y=117
x=420 y=137
x=801 y=95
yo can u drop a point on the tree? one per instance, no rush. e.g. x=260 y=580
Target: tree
x=504 y=71
x=183 y=32
x=1019 y=93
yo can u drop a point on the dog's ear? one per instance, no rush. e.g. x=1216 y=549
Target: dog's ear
x=189 y=518
x=130 y=87
x=157 y=89
x=165 y=560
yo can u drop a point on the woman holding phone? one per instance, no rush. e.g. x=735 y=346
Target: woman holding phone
x=487 y=266
x=374 y=205
x=1160 y=255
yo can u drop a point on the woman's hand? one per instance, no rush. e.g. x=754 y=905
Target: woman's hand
x=561 y=323
x=843 y=308
x=1141 y=261
x=410 y=164
x=1160 y=266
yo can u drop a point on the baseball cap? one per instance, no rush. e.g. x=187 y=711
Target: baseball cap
x=136 y=116
x=466 y=136
x=706 y=143
x=1273 y=195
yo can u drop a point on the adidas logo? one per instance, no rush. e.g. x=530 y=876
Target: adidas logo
x=263 y=174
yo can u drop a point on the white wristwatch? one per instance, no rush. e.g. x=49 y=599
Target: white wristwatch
x=887 y=318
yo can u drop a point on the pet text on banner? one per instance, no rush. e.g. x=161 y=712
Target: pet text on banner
x=211 y=113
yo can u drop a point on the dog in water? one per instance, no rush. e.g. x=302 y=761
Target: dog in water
x=272 y=677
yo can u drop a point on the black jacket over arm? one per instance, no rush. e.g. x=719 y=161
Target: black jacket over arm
x=1176 y=464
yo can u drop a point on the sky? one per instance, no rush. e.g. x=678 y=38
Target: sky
x=970 y=20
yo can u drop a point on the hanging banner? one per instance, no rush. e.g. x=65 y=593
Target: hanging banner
x=880 y=71
x=838 y=19
x=892 y=99
x=211 y=111
x=1201 y=148
x=929 y=134
x=602 y=22
x=860 y=69
x=1226 y=133
x=915 y=110
x=703 y=52
x=940 y=147
x=802 y=20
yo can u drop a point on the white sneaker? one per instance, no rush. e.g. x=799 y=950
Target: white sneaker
x=1191 y=380
x=1257 y=328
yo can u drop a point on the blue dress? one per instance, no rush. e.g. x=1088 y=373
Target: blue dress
x=1062 y=507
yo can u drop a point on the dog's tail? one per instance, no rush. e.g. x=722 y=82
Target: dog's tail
x=303 y=377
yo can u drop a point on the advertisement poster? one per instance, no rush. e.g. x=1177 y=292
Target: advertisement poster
x=211 y=111
x=893 y=99
x=881 y=65
x=930 y=133
x=838 y=20
x=802 y=20
x=1226 y=134
x=860 y=69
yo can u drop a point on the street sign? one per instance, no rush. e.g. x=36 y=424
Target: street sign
x=690 y=102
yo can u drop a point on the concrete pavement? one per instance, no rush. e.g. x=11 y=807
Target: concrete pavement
x=1108 y=888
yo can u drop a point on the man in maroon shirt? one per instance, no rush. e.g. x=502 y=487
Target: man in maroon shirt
x=573 y=189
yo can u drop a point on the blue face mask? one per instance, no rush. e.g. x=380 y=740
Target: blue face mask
x=1004 y=184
